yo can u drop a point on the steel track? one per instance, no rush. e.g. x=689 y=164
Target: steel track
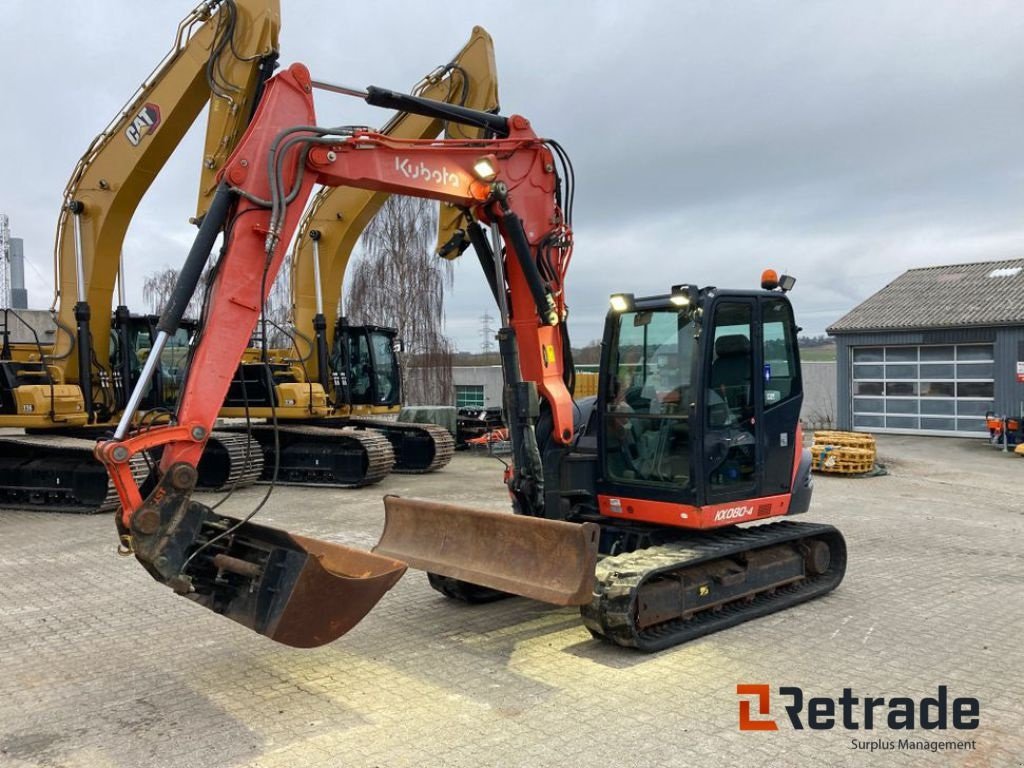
x=408 y=462
x=622 y=581
x=36 y=470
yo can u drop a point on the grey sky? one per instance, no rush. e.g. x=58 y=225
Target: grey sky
x=842 y=142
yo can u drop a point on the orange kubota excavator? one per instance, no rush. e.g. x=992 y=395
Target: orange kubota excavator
x=694 y=429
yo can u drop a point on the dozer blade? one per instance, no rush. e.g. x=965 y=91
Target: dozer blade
x=546 y=560
x=295 y=590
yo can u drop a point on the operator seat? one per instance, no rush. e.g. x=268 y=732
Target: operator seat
x=731 y=372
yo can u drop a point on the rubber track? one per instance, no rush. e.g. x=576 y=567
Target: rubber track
x=444 y=443
x=57 y=498
x=380 y=457
x=241 y=472
x=611 y=614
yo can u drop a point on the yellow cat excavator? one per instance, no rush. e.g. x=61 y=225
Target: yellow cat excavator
x=223 y=53
x=332 y=390
x=695 y=427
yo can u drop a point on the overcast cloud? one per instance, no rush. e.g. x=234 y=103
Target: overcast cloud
x=841 y=142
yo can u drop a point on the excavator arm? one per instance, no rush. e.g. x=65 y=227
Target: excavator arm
x=223 y=51
x=337 y=216
x=319 y=386
x=275 y=583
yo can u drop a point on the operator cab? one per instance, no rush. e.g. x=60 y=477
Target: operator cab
x=700 y=399
x=131 y=340
x=364 y=365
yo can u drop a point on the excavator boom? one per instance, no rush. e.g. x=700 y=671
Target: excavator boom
x=264 y=578
x=337 y=388
x=221 y=51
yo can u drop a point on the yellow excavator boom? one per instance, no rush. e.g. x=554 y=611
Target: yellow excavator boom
x=341 y=214
x=223 y=53
x=220 y=52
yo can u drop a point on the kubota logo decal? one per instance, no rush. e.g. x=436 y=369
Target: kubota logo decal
x=733 y=513
x=441 y=176
x=144 y=123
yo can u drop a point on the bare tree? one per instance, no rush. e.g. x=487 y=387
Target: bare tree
x=157 y=289
x=397 y=281
x=158 y=286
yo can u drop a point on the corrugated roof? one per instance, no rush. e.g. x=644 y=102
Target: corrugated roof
x=957 y=295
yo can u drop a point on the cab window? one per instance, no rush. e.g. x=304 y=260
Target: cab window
x=385 y=366
x=647 y=409
x=781 y=367
x=730 y=441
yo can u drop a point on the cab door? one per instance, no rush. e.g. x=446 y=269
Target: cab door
x=730 y=402
x=782 y=393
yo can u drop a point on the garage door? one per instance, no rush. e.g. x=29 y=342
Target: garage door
x=933 y=389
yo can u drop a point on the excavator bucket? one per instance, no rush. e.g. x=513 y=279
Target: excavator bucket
x=303 y=593
x=336 y=587
x=546 y=560
x=295 y=590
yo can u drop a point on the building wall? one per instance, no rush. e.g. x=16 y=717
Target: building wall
x=819 y=409
x=487 y=376
x=21 y=327
x=1008 y=344
x=1009 y=351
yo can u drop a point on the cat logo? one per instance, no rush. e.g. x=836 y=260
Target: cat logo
x=144 y=123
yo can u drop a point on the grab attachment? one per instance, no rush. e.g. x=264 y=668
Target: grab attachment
x=547 y=560
x=295 y=590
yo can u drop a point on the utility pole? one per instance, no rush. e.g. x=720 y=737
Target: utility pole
x=486 y=333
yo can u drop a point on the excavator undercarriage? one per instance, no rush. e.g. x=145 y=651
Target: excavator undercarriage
x=57 y=471
x=57 y=474
x=313 y=455
x=664 y=595
x=418 y=448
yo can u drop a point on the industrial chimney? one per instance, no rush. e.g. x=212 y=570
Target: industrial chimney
x=19 y=294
